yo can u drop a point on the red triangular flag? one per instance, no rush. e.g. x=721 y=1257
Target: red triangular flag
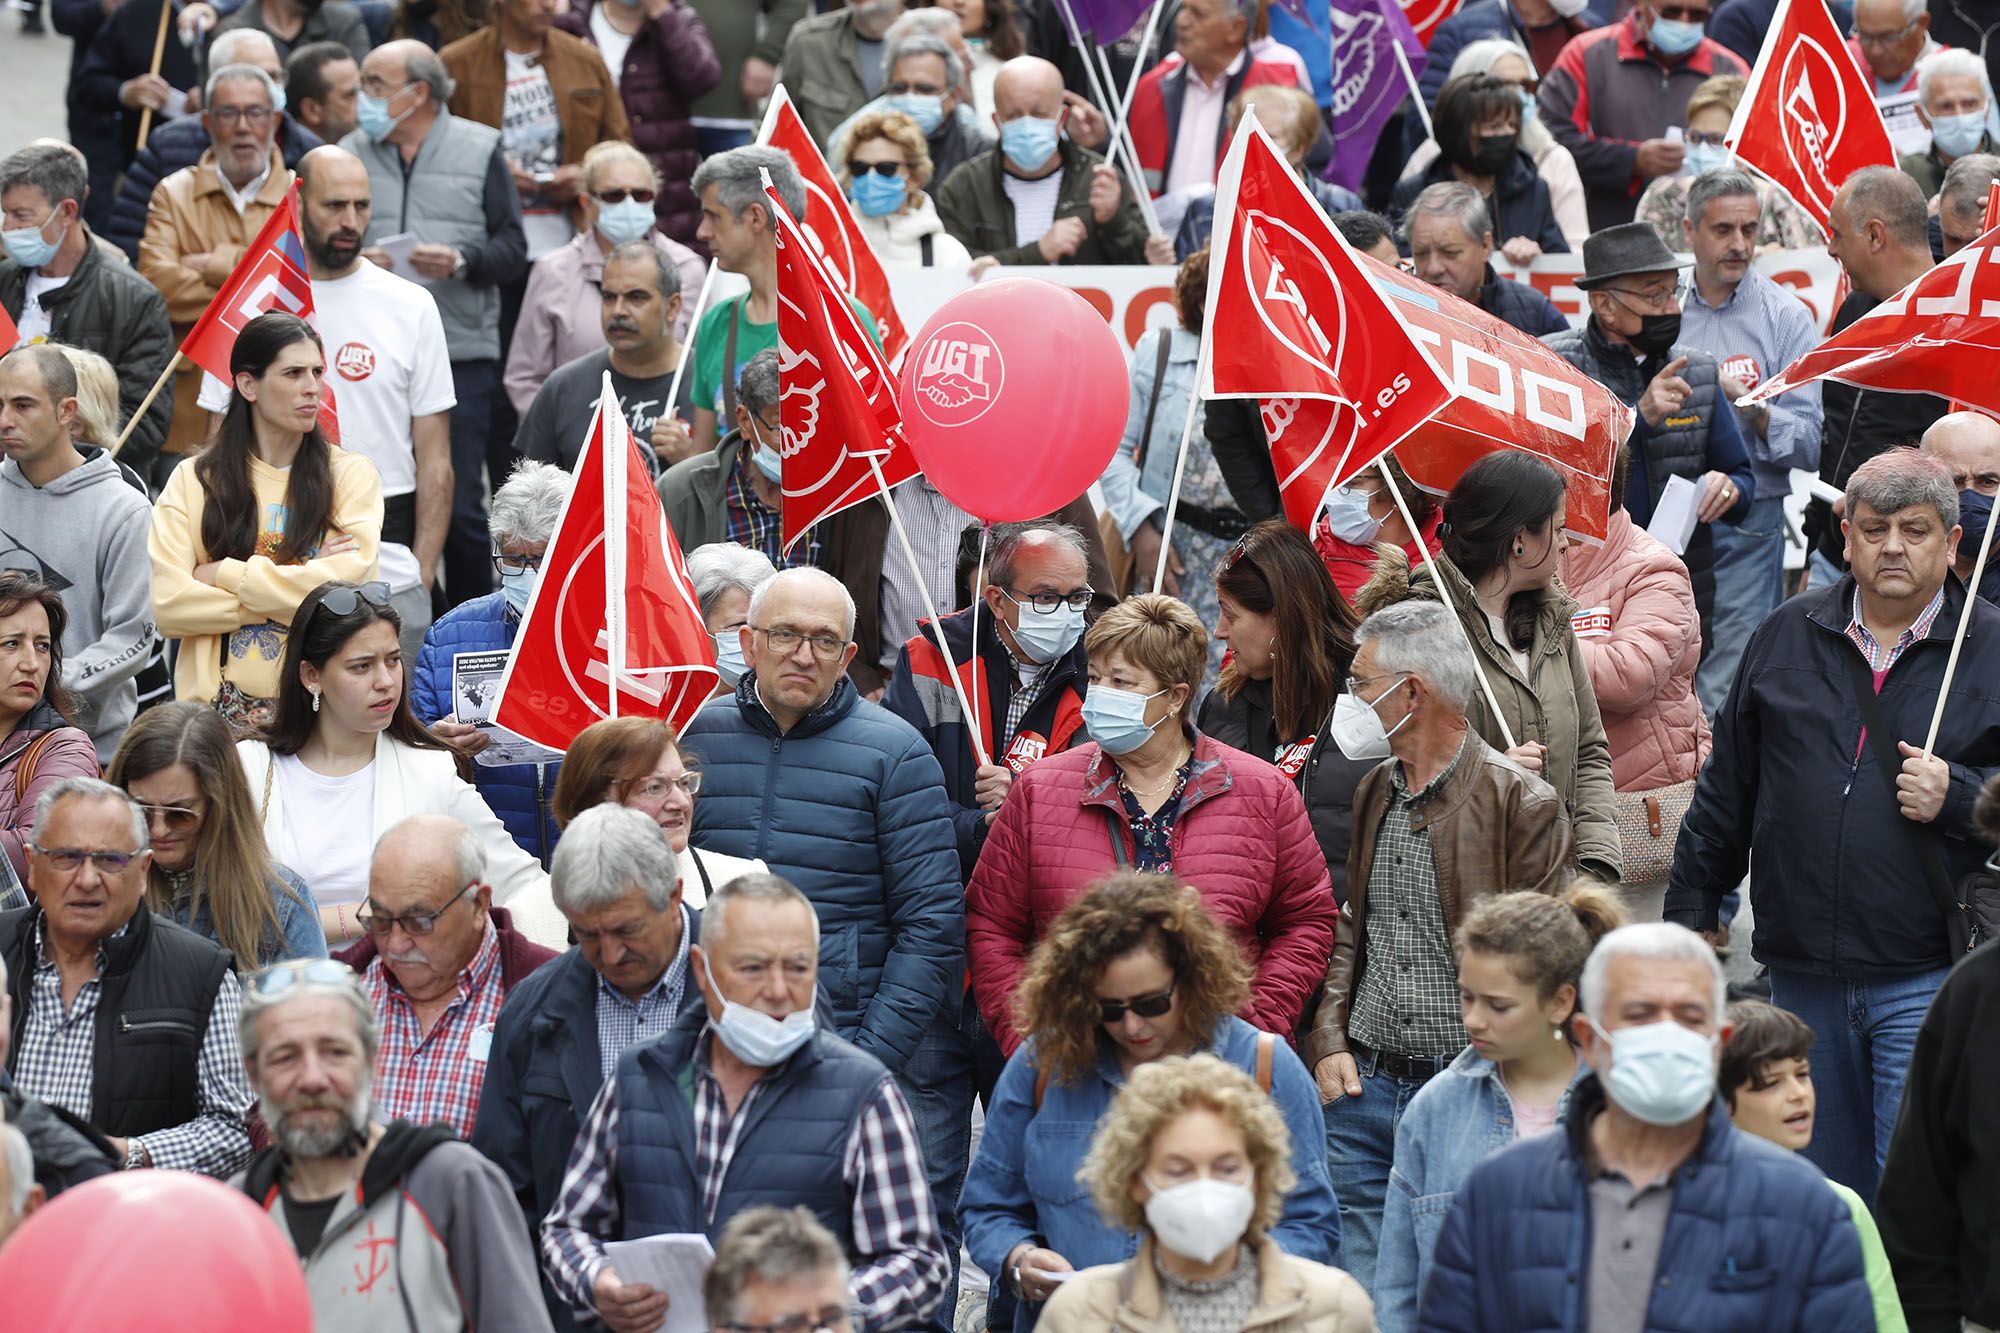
x=837 y=399
x=605 y=568
x=10 y=332
x=1813 y=110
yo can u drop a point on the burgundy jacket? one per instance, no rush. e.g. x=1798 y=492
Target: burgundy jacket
x=1243 y=839
x=519 y=955
x=671 y=62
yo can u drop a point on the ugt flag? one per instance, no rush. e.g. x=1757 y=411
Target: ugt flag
x=1426 y=16
x=1814 y=112
x=1368 y=82
x=271 y=276
x=839 y=419
x=612 y=575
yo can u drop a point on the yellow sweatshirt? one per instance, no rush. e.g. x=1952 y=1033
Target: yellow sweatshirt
x=235 y=629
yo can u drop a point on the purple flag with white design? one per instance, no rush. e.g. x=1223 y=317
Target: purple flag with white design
x=1368 y=83
x=1105 y=21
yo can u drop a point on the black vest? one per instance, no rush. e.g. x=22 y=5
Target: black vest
x=157 y=987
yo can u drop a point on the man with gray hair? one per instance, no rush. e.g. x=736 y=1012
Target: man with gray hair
x=1645 y=1163
x=926 y=82
x=734 y=492
x=1952 y=101
x=1450 y=235
x=1753 y=328
x=1961 y=201
x=561 y=1032
x=1852 y=829
x=834 y=62
x=369 y=1206
x=120 y=1017
x=1444 y=821
x=776 y=1267
x=20 y=1193
x=437 y=961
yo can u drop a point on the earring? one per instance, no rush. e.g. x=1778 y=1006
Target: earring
x=1520 y=549
x=315 y=695
x=1557 y=1032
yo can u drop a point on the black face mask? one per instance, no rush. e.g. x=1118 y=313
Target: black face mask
x=1492 y=154
x=1656 y=333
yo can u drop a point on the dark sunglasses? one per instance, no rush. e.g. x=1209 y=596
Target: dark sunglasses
x=346 y=601
x=620 y=196
x=860 y=169
x=1146 y=1006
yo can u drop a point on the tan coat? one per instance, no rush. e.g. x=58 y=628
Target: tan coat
x=191 y=215
x=1294 y=1295
x=587 y=102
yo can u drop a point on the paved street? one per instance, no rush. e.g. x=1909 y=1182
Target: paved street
x=33 y=74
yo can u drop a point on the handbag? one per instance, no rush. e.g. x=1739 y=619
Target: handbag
x=1649 y=822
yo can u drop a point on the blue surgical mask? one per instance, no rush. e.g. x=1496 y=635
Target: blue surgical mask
x=1704 y=157
x=877 y=195
x=769 y=463
x=1955 y=136
x=371 y=115
x=729 y=656
x=1043 y=638
x=1527 y=100
x=1116 y=719
x=1028 y=141
x=30 y=247
x=626 y=221
x=753 y=1036
x=517 y=588
x=1672 y=37
x=927 y=109
x=1661 y=1073
x=1348 y=517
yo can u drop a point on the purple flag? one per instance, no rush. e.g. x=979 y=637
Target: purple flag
x=1368 y=83
x=1105 y=21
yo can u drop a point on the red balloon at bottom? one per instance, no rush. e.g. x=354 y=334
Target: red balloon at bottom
x=152 y=1252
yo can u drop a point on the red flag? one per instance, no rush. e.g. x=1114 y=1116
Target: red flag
x=1427 y=16
x=10 y=332
x=608 y=566
x=1293 y=320
x=837 y=399
x=830 y=224
x=1813 y=108
x=271 y=276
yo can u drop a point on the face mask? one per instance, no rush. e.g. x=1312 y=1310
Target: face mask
x=1569 y=9
x=729 y=656
x=1201 y=1219
x=1357 y=727
x=877 y=196
x=1671 y=37
x=1116 y=719
x=753 y=1036
x=371 y=115
x=626 y=221
x=29 y=248
x=1955 y=136
x=517 y=588
x=927 y=109
x=1661 y=1073
x=767 y=461
x=1704 y=157
x=1657 y=333
x=1493 y=155
x=1975 y=511
x=1527 y=103
x=1028 y=141
x=1348 y=517
x=1044 y=638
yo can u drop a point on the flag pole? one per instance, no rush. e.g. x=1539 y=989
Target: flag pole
x=1958 y=637
x=159 y=50
x=1139 y=65
x=617 y=456
x=985 y=531
x=722 y=428
x=1416 y=91
x=1444 y=595
x=1124 y=137
x=1114 y=146
x=132 y=423
x=1180 y=459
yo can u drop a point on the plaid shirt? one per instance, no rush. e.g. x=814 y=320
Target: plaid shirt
x=58 y=1058
x=1025 y=691
x=425 y=1076
x=1407 y=1001
x=622 y=1023
x=1879 y=658
x=901 y=1267
x=756 y=525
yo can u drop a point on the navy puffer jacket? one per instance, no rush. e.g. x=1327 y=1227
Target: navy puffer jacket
x=176 y=144
x=849 y=805
x=1756 y=1242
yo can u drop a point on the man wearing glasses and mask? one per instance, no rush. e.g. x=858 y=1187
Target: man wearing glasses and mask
x=437 y=961
x=120 y=1017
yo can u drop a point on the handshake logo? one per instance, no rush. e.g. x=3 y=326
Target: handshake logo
x=959 y=374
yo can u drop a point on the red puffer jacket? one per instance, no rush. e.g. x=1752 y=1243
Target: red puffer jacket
x=1243 y=839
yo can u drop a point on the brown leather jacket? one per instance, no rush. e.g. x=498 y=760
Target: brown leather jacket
x=1494 y=828
x=587 y=101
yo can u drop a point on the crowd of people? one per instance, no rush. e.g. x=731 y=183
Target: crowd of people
x=1332 y=937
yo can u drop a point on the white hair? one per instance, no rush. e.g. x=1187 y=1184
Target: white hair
x=528 y=503
x=93 y=789
x=753 y=887
x=803 y=574
x=228 y=47
x=20 y=1167
x=606 y=852
x=1479 y=58
x=468 y=855
x=1659 y=940
x=1425 y=640
x=719 y=567
x=1948 y=64
x=228 y=72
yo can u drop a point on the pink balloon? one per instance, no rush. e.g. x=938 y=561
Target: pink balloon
x=152 y=1252
x=1014 y=396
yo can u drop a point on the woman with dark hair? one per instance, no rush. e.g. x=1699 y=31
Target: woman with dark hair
x=345 y=758
x=1477 y=127
x=211 y=871
x=40 y=745
x=1132 y=972
x=1503 y=544
x=1291 y=639
x=265 y=514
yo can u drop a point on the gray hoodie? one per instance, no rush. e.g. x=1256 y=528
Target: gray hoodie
x=85 y=534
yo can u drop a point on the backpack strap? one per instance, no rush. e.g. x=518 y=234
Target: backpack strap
x=925 y=244
x=1266 y=1044
x=1153 y=399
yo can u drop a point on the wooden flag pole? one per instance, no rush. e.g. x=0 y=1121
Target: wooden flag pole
x=132 y=423
x=159 y=50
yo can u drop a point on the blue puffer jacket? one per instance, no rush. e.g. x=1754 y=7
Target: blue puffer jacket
x=1755 y=1243
x=177 y=144
x=518 y=793
x=849 y=805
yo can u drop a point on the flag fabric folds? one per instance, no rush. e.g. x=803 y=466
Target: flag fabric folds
x=1368 y=83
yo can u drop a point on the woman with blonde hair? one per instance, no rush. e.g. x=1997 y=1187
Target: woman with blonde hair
x=1782 y=224
x=1194 y=1159
x=885 y=171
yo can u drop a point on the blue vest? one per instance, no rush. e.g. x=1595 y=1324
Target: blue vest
x=792 y=1149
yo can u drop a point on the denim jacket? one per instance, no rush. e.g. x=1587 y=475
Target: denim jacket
x=1133 y=495
x=1456 y=1121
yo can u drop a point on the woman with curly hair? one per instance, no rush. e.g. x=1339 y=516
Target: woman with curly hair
x=1133 y=971
x=1191 y=1159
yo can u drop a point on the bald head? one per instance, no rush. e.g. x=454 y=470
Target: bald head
x=334 y=206
x=1027 y=86
x=1969 y=444
x=1889 y=196
x=1877 y=229
x=392 y=59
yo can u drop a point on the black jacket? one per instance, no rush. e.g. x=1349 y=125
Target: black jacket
x=1837 y=886
x=107 y=308
x=1242 y=452
x=1520 y=305
x=67 y=1151
x=176 y=144
x=122 y=50
x=1518 y=206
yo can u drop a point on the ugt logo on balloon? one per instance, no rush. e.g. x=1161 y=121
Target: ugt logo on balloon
x=959 y=374
x=1810 y=79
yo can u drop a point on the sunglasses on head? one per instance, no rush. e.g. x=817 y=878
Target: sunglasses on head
x=1146 y=1006
x=620 y=196
x=281 y=977
x=346 y=601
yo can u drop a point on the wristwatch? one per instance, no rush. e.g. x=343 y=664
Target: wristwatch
x=458 y=264
x=137 y=1155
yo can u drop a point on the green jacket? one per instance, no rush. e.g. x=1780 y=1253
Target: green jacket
x=822 y=71
x=1928 y=169
x=976 y=209
x=740 y=30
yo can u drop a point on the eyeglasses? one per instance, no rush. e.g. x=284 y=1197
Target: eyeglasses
x=1049 y=602
x=656 y=789
x=1656 y=298
x=1885 y=38
x=346 y=601
x=413 y=923
x=1702 y=139
x=620 y=196
x=177 y=818
x=71 y=859
x=281 y=977
x=1684 y=13
x=256 y=117
x=860 y=169
x=785 y=642
x=1355 y=684
x=1146 y=1006
x=516 y=564
x=829 y=1320
x=903 y=88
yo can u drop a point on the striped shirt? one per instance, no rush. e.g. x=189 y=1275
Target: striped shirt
x=436 y=1075
x=1880 y=659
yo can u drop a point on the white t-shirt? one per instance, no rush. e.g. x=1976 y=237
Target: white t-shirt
x=326 y=830
x=1034 y=204
x=611 y=43
x=34 y=321
x=1498 y=624
x=531 y=135
x=387 y=362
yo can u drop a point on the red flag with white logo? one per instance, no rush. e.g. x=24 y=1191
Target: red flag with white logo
x=1427 y=16
x=1812 y=108
x=837 y=400
x=830 y=224
x=614 y=601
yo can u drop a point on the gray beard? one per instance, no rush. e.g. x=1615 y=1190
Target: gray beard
x=299 y=1141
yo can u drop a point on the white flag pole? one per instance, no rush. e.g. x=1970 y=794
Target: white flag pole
x=1115 y=146
x=617 y=454
x=1958 y=636
x=1122 y=133
x=1416 y=91
x=1180 y=459
x=1139 y=65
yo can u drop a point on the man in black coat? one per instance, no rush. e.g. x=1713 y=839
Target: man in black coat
x=115 y=84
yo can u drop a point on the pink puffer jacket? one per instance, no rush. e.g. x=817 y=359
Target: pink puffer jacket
x=1641 y=641
x=1243 y=839
x=69 y=754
